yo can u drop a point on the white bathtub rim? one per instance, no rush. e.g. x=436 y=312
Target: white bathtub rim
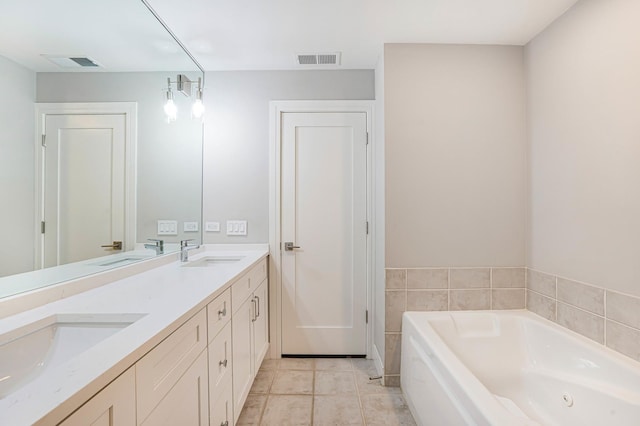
x=483 y=401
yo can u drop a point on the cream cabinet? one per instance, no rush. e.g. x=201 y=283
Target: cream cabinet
x=200 y=374
x=250 y=333
x=113 y=405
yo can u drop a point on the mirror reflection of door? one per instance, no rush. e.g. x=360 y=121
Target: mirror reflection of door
x=84 y=196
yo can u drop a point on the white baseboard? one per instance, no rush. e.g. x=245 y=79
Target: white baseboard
x=377 y=359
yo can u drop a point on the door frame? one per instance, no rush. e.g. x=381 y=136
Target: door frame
x=130 y=111
x=276 y=109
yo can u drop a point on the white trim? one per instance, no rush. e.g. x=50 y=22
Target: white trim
x=377 y=361
x=130 y=111
x=276 y=109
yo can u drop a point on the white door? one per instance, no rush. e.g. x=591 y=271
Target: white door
x=323 y=212
x=84 y=186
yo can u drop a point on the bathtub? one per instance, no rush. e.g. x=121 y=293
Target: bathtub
x=512 y=368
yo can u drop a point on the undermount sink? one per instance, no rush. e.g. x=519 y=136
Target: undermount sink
x=31 y=350
x=209 y=261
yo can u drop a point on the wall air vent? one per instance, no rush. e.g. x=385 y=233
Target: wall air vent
x=318 y=58
x=76 y=61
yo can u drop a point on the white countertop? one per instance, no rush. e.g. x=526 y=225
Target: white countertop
x=168 y=295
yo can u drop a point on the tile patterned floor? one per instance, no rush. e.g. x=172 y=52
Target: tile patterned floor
x=322 y=392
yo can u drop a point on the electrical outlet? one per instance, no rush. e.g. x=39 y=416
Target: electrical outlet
x=212 y=226
x=190 y=227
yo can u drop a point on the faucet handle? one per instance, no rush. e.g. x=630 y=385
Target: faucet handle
x=185 y=243
x=160 y=242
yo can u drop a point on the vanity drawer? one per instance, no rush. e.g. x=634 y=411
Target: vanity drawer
x=159 y=370
x=221 y=407
x=220 y=362
x=218 y=313
x=245 y=285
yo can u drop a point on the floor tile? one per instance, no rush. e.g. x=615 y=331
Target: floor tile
x=296 y=364
x=286 y=410
x=269 y=364
x=386 y=410
x=252 y=410
x=292 y=382
x=334 y=364
x=334 y=383
x=336 y=410
x=262 y=382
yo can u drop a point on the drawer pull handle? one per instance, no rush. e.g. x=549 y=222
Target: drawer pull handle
x=225 y=423
x=223 y=312
x=223 y=363
x=255 y=310
x=257 y=306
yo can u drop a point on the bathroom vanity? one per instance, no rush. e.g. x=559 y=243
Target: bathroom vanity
x=180 y=343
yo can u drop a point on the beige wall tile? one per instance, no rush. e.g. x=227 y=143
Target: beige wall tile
x=428 y=278
x=395 y=305
x=470 y=278
x=585 y=323
x=396 y=278
x=466 y=300
x=427 y=300
x=623 y=308
x=541 y=283
x=623 y=339
x=541 y=305
x=581 y=295
x=392 y=381
x=392 y=353
x=508 y=277
x=508 y=298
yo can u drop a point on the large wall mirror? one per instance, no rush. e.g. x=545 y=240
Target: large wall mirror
x=111 y=169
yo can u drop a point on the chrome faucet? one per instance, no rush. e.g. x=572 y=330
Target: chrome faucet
x=158 y=246
x=184 y=250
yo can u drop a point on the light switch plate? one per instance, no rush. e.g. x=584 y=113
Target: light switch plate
x=212 y=226
x=167 y=227
x=236 y=227
x=190 y=227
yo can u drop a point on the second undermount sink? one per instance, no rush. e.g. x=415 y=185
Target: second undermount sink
x=209 y=261
x=31 y=350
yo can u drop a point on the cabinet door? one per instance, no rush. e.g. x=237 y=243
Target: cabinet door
x=222 y=407
x=115 y=405
x=241 y=327
x=187 y=403
x=261 y=324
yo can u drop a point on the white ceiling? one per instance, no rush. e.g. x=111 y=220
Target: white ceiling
x=255 y=34
x=260 y=34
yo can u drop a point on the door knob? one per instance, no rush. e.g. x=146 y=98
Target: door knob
x=289 y=246
x=117 y=245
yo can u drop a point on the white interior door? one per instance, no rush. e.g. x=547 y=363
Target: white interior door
x=323 y=212
x=84 y=186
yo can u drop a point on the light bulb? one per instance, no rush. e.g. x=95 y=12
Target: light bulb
x=197 y=110
x=171 y=110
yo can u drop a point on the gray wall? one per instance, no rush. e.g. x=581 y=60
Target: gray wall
x=17 y=141
x=168 y=155
x=455 y=144
x=583 y=112
x=236 y=142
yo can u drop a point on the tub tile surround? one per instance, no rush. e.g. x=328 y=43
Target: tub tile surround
x=443 y=289
x=604 y=316
x=607 y=317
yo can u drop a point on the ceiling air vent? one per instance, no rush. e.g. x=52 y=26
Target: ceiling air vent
x=319 y=59
x=73 y=61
